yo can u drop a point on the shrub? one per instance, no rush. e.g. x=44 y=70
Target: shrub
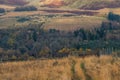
x=2 y=10
x=26 y=8
x=23 y=19
x=113 y=17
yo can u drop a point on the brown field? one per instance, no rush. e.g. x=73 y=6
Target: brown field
x=73 y=23
x=71 y=68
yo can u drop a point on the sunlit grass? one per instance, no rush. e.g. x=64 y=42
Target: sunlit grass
x=71 y=68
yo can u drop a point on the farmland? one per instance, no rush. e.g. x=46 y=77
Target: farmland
x=71 y=19
x=59 y=40
x=67 y=18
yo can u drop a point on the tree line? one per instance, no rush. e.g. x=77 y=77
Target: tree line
x=26 y=8
x=34 y=42
x=23 y=8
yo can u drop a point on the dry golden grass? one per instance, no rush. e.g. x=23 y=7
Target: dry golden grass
x=105 y=11
x=7 y=6
x=71 y=68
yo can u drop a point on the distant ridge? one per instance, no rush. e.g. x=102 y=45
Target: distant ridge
x=82 y=4
x=69 y=4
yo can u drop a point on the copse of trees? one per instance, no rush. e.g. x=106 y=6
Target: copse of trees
x=23 y=19
x=26 y=8
x=2 y=10
x=113 y=17
x=94 y=34
x=35 y=42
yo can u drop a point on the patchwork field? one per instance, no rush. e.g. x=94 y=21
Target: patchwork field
x=57 y=18
x=71 y=68
x=67 y=20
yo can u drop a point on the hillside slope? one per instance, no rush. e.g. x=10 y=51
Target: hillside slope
x=82 y=4
x=72 y=4
x=53 y=3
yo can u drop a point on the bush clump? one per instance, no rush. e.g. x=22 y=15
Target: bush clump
x=26 y=8
x=23 y=19
x=2 y=10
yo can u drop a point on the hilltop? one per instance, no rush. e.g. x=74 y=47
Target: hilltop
x=82 y=4
x=69 y=4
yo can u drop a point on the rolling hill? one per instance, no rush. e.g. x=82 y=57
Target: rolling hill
x=92 y=4
x=82 y=4
x=70 y=4
x=53 y=3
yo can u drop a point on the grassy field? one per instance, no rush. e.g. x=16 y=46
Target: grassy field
x=8 y=7
x=59 y=21
x=71 y=68
x=7 y=22
x=73 y=23
x=13 y=22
